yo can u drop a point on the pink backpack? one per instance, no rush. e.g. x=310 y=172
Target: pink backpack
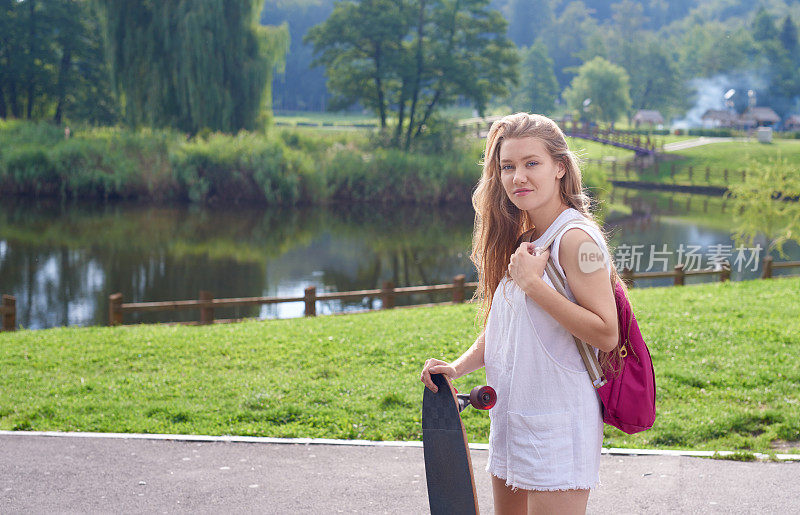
x=629 y=396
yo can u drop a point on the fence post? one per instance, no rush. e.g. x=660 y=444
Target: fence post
x=115 y=309
x=628 y=170
x=458 y=289
x=767 y=273
x=679 y=275
x=311 y=301
x=725 y=273
x=627 y=276
x=614 y=169
x=726 y=176
x=10 y=313
x=708 y=171
x=744 y=175
x=672 y=172
x=691 y=170
x=206 y=313
x=387 y=295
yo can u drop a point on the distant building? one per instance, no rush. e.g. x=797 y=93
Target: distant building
x=716 y=118
x=759 y=117
x=792 y=123
x=646 y=117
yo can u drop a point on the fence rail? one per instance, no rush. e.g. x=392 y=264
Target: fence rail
x=677 y=175
x=206 y=303
x=8 y=310
x=642 y=144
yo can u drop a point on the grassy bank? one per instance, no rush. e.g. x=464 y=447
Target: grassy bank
x=727 y=372
x=733 y=156
x=281 y=167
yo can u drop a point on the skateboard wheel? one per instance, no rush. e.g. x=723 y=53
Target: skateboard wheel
x=483 y=397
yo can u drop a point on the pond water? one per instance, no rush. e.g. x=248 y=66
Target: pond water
x=62 y=261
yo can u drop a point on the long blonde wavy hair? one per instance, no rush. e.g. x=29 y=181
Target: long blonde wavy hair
x=499 y=224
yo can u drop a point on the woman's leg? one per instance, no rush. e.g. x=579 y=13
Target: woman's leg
x=560 y=501
x=508 y=501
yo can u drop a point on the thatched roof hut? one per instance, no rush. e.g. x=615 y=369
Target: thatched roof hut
x=792 y=123
x=760 y=117
x=719 y=118
x=644 y=116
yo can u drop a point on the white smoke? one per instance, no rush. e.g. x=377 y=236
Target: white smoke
x=710 y=93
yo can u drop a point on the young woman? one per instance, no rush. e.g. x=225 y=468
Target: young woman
x=546 y=428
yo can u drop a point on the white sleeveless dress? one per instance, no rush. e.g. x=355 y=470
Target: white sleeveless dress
x=546 y=428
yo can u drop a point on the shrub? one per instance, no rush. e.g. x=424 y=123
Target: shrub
x=718 y=133
x=28 y=169
x=391 y=175
x=243 y=168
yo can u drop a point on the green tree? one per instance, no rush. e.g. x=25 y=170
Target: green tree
x=788 y=35
x=300 y=86
x=192 y=65
x=656 y=80
x=26 y=74
x=529 y=20
x=409 y=58
x=600 y=91
x=52 y=62
x=360 y=45
x=712 y=48
x=764 y=26
x=10 y=58
x=538 y=89
x=574 y=38
x=88 y=93
x=762 y=204
x=777 y=55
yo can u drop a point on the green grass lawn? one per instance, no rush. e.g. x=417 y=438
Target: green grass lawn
x=588 y=149
x=734 y=156
x=336 y=118
x=725 y=355
x=350 y=117
x=671 y=138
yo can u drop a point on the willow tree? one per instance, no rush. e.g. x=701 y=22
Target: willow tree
x=192 y=65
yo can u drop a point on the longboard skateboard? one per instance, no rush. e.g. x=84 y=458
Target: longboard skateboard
x=448 y=466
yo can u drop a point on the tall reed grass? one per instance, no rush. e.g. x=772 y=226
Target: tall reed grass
x=281 y=167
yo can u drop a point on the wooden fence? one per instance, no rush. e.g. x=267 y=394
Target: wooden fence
x=642 y=144
x=705 y=176
x=8 y=310
x=206 y=303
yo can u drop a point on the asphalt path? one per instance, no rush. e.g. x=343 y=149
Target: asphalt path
x=61 y=474
x=691 y=143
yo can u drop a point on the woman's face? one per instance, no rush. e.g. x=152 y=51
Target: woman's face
x=528 y=173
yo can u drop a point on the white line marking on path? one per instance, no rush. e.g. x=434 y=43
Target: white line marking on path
x=362 y=443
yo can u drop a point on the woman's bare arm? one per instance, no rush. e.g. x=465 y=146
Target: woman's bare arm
x=594 y=318
x=469 y=361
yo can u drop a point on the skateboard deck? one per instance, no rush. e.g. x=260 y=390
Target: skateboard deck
x=448 y=466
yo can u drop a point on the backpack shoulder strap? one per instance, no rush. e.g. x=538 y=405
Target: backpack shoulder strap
x=584 y=349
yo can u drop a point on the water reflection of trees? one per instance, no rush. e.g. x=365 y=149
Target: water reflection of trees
x=62 y=261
